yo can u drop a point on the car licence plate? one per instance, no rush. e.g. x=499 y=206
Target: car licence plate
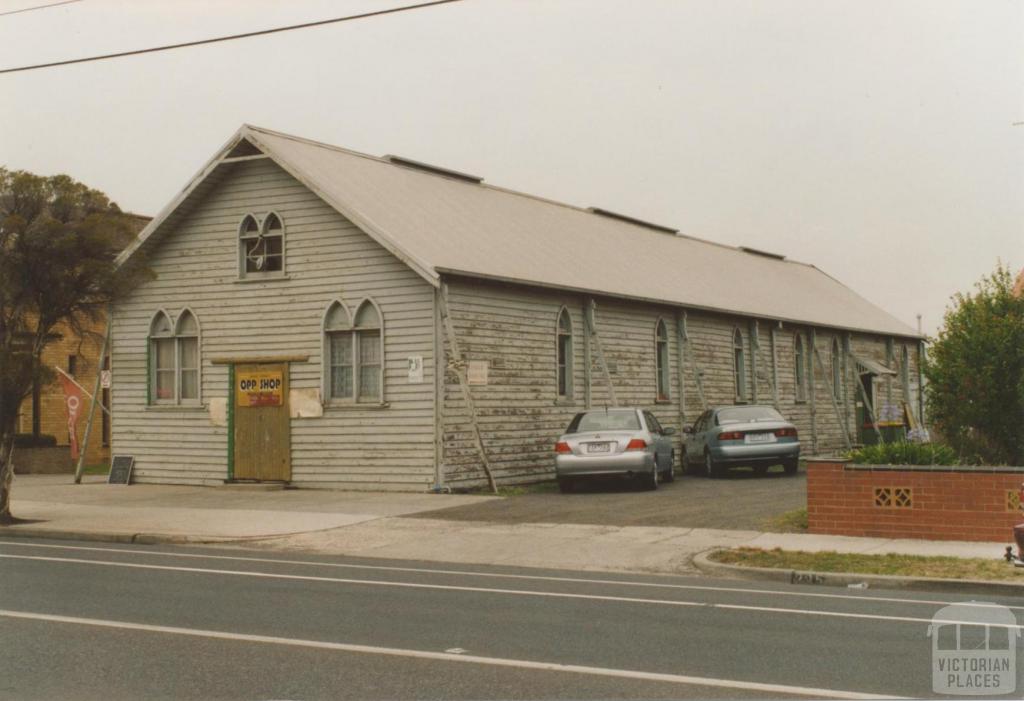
x=760 y=438
x=599 y=447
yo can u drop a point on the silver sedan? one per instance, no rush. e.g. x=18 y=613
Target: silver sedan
x=741 y=436
x=627 y=442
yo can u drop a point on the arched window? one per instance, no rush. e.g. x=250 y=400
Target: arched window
x=187 y=341
x=174 y=359
x=565 y=370
x=261 y=246
x=905 y=369
x=661 y=357
x=354 y=352
x=837 y=370
x=161 y=353
x=800 y=363
x=337 y=332
x=739 y=365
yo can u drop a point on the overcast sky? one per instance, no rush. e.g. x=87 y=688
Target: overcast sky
x=872 y=139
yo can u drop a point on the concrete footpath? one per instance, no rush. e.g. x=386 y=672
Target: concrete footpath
x=368 y=524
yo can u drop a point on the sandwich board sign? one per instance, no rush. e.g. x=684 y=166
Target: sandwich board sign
x=121 y=469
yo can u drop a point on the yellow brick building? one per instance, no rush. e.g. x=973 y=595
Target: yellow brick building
x=44 y=411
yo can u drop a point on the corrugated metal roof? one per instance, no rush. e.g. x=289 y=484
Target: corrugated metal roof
x=439 y=224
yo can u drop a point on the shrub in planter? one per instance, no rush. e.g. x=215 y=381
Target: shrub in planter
x=905 y=453
x=27 y=440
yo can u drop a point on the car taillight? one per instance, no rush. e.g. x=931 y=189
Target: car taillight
x=730 y=436
x=637 y=444
x=562 y=447
x=785 y=432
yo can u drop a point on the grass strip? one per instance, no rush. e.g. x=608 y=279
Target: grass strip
x=994 y=569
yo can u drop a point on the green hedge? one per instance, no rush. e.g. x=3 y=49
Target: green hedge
x=27 y=440
x=905 y=453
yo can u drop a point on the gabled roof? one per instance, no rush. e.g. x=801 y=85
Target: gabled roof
x=439 y=222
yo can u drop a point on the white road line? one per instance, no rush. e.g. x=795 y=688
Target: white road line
x=450 y=657
x=481 y=590
x=499 y=575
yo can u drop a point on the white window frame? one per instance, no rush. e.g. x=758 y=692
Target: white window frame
x=662 y=366
x=570 y=336
x=177 y=340
x=739 y=365
x=261 y=229
x=799 y=367
x=353 y=333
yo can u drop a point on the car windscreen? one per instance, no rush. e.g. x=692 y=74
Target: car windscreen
x=604 y=421
x=747 y=414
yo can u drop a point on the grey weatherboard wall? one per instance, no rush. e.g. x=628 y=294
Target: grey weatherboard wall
x=422 y=435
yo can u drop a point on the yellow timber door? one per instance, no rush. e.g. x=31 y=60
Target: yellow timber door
x=262 y=437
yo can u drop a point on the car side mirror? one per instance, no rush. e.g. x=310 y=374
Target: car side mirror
x=668 y=432
x=687 y=429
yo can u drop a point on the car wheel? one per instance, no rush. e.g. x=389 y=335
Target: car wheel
x=670 y=473
x=565 y=485
x=790 y=466
x=711 y=468
x=651 y=481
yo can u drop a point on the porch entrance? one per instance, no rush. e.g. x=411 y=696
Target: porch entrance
x=865 y=412
x=262 y=436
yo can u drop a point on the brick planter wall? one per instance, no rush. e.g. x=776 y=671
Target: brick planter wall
x=905 y=501
x=40 y=461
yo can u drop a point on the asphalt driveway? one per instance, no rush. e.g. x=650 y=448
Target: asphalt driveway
x=741 y=500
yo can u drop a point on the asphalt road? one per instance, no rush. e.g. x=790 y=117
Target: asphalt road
x=98 y=621
x=740 y=501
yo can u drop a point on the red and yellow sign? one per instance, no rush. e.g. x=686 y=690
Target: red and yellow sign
x=260 y=388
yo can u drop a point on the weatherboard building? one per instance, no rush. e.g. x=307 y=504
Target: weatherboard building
x=332 y=319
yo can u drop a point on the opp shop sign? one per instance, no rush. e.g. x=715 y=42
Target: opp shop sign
x=260 y=388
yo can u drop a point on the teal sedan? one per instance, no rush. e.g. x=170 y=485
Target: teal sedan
x=741 y=436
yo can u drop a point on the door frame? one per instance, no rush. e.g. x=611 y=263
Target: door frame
x=231 y=362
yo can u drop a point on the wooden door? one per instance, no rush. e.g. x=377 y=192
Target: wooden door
x=262 y=437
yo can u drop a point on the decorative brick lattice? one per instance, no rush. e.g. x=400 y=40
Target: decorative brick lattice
x=894 y=497
x=903 y=497
x=1012 y=500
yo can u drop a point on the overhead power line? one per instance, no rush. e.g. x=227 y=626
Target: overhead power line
x=232 y=37
x=38 y=7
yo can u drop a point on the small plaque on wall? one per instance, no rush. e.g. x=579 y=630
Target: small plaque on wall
x=415 y=369
x=121 y=469
x=477 y=374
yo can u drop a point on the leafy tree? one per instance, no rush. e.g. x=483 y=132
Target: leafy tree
x=975 y=373
x=58 y=243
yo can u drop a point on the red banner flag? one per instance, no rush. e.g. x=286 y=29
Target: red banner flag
x=73 y=405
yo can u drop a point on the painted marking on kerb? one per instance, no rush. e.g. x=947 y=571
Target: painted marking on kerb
x=481 y=590
x=505 y=575
x=450 y=657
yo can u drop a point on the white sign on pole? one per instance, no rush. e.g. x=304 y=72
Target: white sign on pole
x=105 y=379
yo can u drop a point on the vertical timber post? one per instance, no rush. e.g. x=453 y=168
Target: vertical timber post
x=588 y=364
x=835 y=402
x=813 y=388
x=850 y=376
x=755 y=350
x=467 y=395
x=92 y=404
x=775 y=364
x=681 y=365
x=591 y=318
x=439 y=391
